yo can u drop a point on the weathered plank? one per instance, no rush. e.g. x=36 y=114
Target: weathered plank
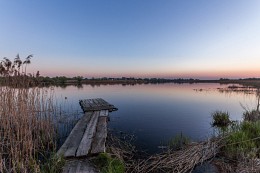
x=95 y=101
x=78 y=166
x=70 y=146
x=99 y=141
x=90 y=101
x=85 y=103
x=104 y=103
x=100 y=102
x=85 y=144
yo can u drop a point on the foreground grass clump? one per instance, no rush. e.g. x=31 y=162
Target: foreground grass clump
x=244 y=142
x=178 y=142
x=107 y=164
x=54 y=164
x=220 y=119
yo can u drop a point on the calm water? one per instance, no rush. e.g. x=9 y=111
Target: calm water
x=157 y=112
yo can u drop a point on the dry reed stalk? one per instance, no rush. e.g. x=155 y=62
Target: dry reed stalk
x=122 y=150
x=26 y=128
x=235 y=166
x=179 y=161
x=248 y=166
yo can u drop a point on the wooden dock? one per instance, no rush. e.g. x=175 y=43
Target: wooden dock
x=88 y=137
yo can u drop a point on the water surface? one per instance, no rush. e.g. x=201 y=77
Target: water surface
x=155 y=113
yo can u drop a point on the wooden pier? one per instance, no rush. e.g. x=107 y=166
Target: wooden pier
x=88 y=137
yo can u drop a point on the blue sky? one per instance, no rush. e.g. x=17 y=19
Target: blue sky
x=140 y=38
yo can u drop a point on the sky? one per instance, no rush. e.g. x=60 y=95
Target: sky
x=205 y=39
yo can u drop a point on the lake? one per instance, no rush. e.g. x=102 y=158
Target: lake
x=155 y=113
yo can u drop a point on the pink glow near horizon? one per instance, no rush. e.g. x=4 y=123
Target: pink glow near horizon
x=195 y=75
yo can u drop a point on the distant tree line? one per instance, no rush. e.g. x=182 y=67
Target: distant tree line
x=109 y=80
x=17 y=69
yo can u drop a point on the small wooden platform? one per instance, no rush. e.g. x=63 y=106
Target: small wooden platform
x=88 y=137
x=96 y=105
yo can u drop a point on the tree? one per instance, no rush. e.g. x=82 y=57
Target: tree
x=79 y=79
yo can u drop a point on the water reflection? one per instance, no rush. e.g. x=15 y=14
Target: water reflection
x=157 y=112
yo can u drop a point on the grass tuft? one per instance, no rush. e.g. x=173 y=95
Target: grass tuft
x=53 y=164
x=178 y=142
x=220 y=119
x=107 y=164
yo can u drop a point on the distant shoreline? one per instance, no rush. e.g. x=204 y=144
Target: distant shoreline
x=62 y=80
x=250 y=82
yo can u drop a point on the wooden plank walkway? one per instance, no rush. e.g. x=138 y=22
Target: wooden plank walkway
x=88 y=137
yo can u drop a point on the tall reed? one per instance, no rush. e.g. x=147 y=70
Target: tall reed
x=26 y=127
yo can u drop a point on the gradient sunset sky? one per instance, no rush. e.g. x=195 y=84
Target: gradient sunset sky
x=204 y=39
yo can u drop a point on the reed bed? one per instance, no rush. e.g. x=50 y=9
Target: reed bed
x=26 y=128
x=183 y=160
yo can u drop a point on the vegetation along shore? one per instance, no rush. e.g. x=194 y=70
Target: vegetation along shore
x=28 y=130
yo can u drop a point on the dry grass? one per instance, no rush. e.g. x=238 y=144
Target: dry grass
x=183 y=160
x=120 y=149
x=26 y=129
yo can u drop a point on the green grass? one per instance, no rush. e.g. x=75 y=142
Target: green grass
x=178 y=142
x=53 y=164
x=220 y=119
x=107 y=164
x=241 y=138
x=244 y=140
